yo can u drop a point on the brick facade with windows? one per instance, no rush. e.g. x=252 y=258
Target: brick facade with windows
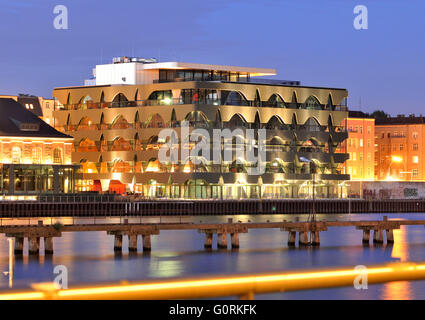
x=400 y=148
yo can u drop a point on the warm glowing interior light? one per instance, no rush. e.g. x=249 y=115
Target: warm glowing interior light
x=153 y=166
x=166 y=101
x=397 y=159
x=390 y=178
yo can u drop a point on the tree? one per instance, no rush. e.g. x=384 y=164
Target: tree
x=379 y=114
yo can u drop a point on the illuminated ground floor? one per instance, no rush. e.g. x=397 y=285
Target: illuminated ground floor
x=33 y=179
x=200 y=189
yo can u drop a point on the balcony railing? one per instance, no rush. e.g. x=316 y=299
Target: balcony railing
x=181 y=101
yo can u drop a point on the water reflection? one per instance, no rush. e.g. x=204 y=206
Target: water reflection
x=90 y=258
x=400 y=290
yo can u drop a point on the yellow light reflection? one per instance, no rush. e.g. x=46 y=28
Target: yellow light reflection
x=400 y=290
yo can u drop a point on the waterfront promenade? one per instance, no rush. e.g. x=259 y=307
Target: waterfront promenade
x=83 y=206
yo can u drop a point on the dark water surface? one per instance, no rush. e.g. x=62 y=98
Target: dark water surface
x=89 y=256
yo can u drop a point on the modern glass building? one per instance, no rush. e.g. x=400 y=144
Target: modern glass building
x=34 y=157
x=117 y=122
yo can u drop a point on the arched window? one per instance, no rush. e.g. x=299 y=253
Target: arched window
x=86 y=124
x=153 y=143
x=237 y=121
x=161 y=97
x=312 y=104
x=155 y=121
x=233 y=98
x=120 y=144
x=86 y=145
x=197 y=119
x=312 y=125
x=153 y=166
x=275 y=101
x=121 y=166
x=119 y=101
x=275 y=166
x=276 y=124
x=86 y=103
x=88 y=167
x=57 y=156
x=310 y=145
x=16 y=154
x=120 y=123
x=36 y=155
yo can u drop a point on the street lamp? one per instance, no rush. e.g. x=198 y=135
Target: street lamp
x=396 y=159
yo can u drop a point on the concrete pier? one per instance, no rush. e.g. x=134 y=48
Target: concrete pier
x=208 y=240
x=146 y=242
x=33 y=245
x=235 y=240
x=222 y=240
x=303 y=238
x=366 y=236
x=315 y=241
x=118 y=242
x=132 y=243
x=292 y=238
x=378 y=236
x=48 y=245
x=19 y=245
x=390 y=235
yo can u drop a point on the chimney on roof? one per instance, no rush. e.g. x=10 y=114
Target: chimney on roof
x=400 y=116
x=412 y=115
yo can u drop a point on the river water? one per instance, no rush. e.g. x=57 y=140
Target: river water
x=89 y=256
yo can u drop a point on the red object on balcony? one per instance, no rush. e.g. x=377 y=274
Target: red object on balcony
x=116 y=187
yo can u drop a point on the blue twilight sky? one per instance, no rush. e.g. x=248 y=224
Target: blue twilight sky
x=308 y=40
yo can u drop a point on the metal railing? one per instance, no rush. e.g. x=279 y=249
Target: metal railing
x=196 y=101
x=243 y=286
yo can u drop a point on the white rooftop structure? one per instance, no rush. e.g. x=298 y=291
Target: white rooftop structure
x=135 y=71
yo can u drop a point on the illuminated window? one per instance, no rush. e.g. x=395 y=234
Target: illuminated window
x=415 y=159
x=16 y=155
x=57 y=156
x=415 y=146
x=415 y=135
x=361 y=142
x=36 y=155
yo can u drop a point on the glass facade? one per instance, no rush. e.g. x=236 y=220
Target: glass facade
x=16 y=179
